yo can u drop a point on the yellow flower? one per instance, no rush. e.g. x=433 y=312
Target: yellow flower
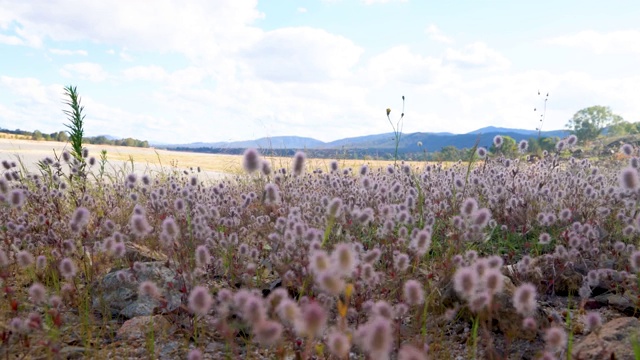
x=342 y=309
x=348 y=290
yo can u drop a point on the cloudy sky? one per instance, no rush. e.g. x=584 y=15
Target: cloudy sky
x=216 y=70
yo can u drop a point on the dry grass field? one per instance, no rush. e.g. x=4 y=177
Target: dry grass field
x=14 y=136
x=150 y=159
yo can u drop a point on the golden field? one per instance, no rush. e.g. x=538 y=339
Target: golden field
x=150 y=159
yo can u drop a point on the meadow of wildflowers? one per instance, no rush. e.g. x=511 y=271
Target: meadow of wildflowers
x=489 y=258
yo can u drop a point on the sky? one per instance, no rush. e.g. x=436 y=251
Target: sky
x=181 y=71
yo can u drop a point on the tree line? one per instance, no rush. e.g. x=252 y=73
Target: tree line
x=62 y=136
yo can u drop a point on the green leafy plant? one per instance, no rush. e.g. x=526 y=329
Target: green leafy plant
x=76 y=121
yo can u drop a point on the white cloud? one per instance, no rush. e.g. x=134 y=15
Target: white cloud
x=302 y=10
x=400 y=64
x=436 y=34
x=10 y=40
x=302 y=54
x=476 y=55
x=148 y=73
x=173 y=27
x=65 y=52
x=85 y=71
x=39 y=106
x=31 y=89
x=32 y=105
x=615 y=42
x=188 y=76
x=125 y=56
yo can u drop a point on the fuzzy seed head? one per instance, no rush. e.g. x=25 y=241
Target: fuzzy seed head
x=268 y=332
x=67 y=268
x=272 y=194
x=401 y=262
x=555 y=337
x=524 y=299
x=523 y=145
x=24 y=258
x=148 y=288
x=465 y=281
x=629 y=179
x=344 y=259
x=194 y=354
x=41 y=262
x=497 y=141
x=481 y=152
x=481 y=217
x=626 y=149
x=495 y=262
x=479 y=301
x=119 y=250
x=319 y=261
x=413 y=292
x=289 y=311
x=634 y=260
x=38 y=293
x=298 y=163
x=494 y=280
x=469 y=206
x=139 y=225
x=16 y=198
x=372 y=256
x=333 y=210
x=544 y=238
x=378 y=339
x=338 y=344
x=422 y=242
x=200 y=300
x=593 y=320
x=80 y=217
x=529 y=323
x=253 y=310
x=251 y=160
x=203 y=258
x=330 y=282
x=314 y=318
x=410 y=352
x=170 y=227
x=383 y=309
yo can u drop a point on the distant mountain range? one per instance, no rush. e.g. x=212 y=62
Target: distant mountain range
x=408 y=142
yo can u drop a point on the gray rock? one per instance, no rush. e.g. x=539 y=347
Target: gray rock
x=138 y=327
x=113 y=297
x=74 y=352
x=612 y=341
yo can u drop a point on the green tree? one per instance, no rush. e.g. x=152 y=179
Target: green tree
x=62 y=136
x=623 y=128
x=449 y=153
x=588 y=123
x=37 y=135
x=509 y=147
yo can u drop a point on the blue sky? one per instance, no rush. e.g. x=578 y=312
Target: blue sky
x=216 y=70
